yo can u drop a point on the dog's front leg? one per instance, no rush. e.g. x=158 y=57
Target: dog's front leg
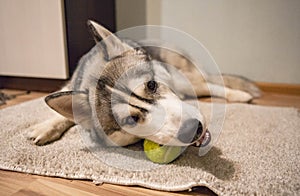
x=49 y=131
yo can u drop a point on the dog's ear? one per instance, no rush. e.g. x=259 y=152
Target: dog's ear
x=112 y=44
x=71 y=104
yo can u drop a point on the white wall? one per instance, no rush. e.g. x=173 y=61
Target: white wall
x=32 y=39
x=259 y=39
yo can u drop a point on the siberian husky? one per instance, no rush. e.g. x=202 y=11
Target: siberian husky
x=125 y=93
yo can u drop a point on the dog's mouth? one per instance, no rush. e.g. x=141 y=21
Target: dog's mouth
x=204 y=139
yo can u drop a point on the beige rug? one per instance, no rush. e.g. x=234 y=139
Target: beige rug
x=258 y=151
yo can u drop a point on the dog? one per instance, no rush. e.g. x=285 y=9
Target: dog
x=125 y=92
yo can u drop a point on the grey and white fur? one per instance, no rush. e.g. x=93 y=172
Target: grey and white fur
x=125 y=93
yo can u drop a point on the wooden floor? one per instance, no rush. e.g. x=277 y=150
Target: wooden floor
x=13 y=183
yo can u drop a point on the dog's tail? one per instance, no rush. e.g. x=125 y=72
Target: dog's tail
x=237 y=82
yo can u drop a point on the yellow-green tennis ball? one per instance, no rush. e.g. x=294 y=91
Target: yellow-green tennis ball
x=161 y=154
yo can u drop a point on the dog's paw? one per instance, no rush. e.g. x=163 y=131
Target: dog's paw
x=238 y=96
x=43 y=133
x=48 y=131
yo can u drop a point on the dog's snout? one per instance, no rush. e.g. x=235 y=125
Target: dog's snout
x=190 y=131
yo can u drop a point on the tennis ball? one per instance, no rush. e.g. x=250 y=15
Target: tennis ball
x=161 y=154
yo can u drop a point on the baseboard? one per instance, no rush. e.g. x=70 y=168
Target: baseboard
x=289 y=89
x=31 y=84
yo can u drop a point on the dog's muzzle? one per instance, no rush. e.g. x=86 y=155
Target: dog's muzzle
x=190 y=131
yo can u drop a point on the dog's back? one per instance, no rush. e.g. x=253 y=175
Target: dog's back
x=94 y=100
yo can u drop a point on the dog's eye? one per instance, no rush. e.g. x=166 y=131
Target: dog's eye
x=152 y=86
x=132 y=120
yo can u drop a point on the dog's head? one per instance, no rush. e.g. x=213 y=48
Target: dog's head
x=133 y=97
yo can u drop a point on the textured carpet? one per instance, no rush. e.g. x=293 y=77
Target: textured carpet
x=258 y=151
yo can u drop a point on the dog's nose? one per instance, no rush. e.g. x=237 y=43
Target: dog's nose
x=190 y=131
